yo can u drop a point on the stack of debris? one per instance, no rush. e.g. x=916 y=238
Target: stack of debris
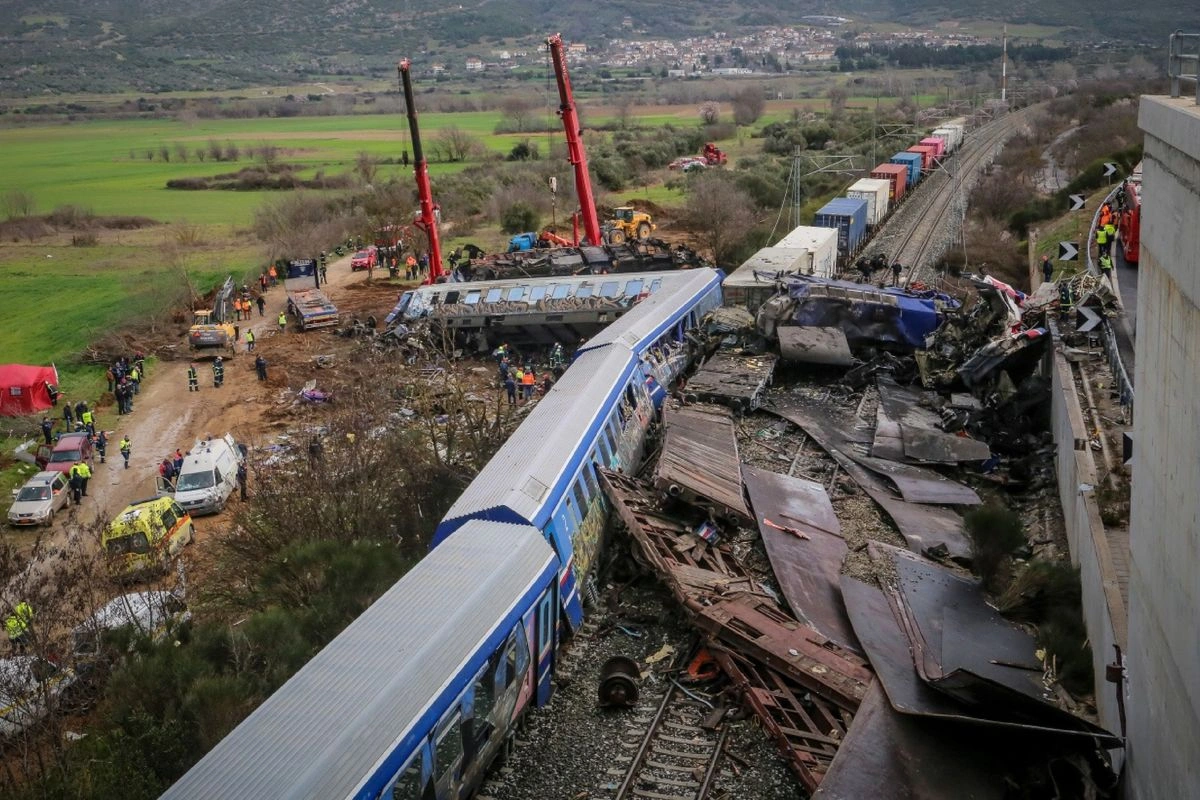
x=631 y=256
x=912 y=683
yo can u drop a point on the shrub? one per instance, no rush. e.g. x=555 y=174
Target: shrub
x=518 y=218
x=995 y=532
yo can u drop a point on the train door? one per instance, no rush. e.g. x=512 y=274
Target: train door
x=545 y=633
x=448 y=755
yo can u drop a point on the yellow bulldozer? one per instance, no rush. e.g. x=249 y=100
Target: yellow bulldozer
x=211 y=327
x=628 y=223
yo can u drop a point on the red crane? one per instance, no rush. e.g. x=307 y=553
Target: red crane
x=428 y=220
x=575 y=152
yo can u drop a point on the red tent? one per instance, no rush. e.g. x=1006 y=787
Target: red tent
x=23 y=389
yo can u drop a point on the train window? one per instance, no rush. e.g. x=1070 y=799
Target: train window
x=560 y=291
x=510 y=662
x=580 y=497
x=633 y=288
x=573 y=513
x=472 y=297
x=655 y=284
x=630 y=396
x=545 y=622
x=583 y=291
x=408 y=784
x=516 y=293
x=609 y=289
x=522 y=649
x=589 y=477
x=448 y=748
x=603 y=448
x=537 y=293
x=451 y=297
x=493 y=295
x=485 y=694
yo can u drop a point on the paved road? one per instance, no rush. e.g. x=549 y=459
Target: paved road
x=1126 y=327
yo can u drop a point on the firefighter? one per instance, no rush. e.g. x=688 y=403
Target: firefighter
x=101 y=444
x=193 y=379
x=16 y=625
x=1047 y=270
x=218 y=373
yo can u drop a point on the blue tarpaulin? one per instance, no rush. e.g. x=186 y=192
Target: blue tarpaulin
x=867 y=315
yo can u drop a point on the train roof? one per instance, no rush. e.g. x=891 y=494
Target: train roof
x=385 y=678
x=640 y=328
x=523 y=474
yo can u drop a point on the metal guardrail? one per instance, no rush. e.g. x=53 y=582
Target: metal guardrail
x=1184 y=52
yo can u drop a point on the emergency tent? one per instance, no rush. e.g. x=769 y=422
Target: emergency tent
x=25 y=389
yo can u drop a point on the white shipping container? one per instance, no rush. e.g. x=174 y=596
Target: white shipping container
x=753 y=283
x=875 y=192
x=820 y=242
x=954 y=130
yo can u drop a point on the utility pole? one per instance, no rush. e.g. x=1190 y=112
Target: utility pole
x=1004 y=69
x=794 y=182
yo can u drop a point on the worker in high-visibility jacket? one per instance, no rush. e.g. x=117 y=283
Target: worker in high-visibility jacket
x=282 y=322
x=88 y=418
x=193 y=379
x=83 y=472
x=1102 y=243
x=16 y=625
x=1110 y=230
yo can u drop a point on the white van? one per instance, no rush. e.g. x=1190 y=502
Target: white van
x=208 y=476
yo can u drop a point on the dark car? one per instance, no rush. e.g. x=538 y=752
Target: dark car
x=69 y=448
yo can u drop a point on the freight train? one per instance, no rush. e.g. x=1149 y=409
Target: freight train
x=416 y=696
x=869 y=201
x=843 y=226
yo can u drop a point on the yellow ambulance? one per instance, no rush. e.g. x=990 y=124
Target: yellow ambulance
x=144 y=538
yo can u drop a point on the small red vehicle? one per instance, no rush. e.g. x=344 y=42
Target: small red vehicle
x=69 y=448
x=367 y=258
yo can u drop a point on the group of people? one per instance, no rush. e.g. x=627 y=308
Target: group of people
x=125 y=380
x=520 y=380
x=169 y=467
x=1106 y=234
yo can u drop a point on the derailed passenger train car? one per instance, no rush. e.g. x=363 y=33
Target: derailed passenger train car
x=416 y=696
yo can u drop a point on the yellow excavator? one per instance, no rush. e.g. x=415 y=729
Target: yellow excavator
x=628 y=223
x=211 y=327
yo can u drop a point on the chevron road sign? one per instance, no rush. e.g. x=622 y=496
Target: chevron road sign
x=1068 y=251
x=1110 y=169
x=1076 y=202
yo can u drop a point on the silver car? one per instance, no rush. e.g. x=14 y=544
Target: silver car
x=36 y=502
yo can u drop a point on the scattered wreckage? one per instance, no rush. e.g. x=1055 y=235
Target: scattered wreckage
x=860 y=677
x=634 y=255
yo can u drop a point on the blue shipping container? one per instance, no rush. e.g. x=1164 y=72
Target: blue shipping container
x=849 y=216
x=913 y=162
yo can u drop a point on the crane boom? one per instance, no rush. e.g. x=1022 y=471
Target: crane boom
x=428 y=220
x=575 y=151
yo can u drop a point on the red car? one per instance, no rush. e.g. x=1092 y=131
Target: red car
x=365 y=259
x=69 y=448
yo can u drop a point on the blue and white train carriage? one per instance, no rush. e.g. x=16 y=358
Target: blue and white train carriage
x=416 y=696
x=597 y=415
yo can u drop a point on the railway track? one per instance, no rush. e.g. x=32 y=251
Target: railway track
x=917 y=244
x=666 y=753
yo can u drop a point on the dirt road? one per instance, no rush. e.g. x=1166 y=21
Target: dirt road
x=167 y=416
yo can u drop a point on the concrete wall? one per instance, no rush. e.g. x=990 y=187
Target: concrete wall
x=1164 y=584
x=1103 y=609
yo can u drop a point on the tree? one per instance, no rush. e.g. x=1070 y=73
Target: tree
x=517 y=113
x=455 y=144
x=748 y=105
x=518 y=218
x=720 y=213
x=710 y=113
x=18 y=203
x=365 y=166
x=837 y=100
x=181 y=152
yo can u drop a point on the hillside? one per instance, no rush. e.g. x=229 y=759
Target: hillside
x=60 y=46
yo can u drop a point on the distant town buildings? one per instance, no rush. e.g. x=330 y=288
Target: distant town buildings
x=761 y=50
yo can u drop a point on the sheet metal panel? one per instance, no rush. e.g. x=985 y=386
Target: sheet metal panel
x=539 y=452
x=320 y=734
x=699 y=459
x=807 y=569
x=820 y=242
